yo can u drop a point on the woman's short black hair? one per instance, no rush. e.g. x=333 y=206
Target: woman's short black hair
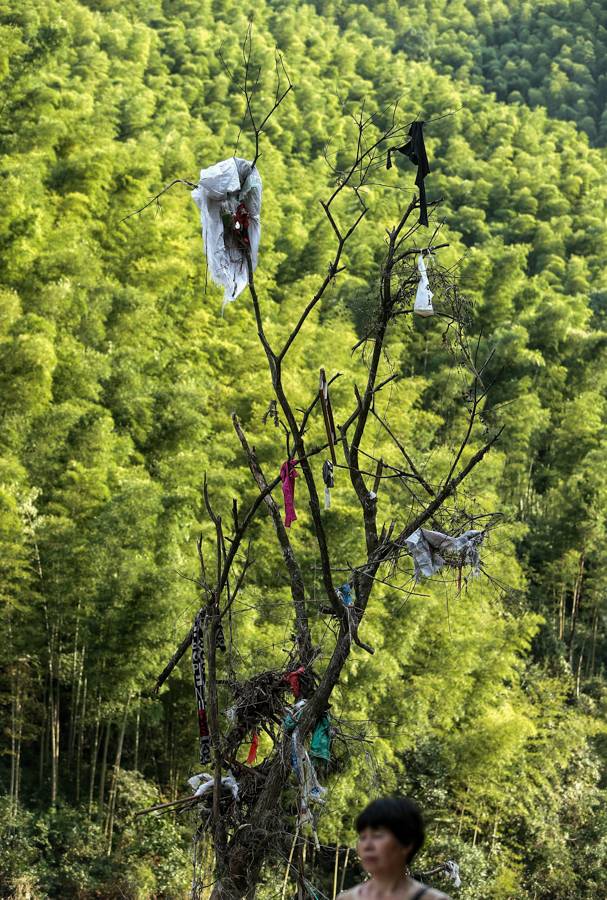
x=399 y=815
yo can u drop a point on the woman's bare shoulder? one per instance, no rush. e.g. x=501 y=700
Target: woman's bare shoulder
x=428 y=892
x=355 y=894
x=350 y=894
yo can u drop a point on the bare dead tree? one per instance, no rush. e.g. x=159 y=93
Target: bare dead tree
x=246 y=832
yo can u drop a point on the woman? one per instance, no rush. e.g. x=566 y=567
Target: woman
x=390 y=832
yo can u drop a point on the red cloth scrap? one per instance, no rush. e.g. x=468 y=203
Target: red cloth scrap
x=293 y=679
x=253 y=749
x=288 y=474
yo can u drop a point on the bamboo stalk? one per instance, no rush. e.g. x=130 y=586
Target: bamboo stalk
x=595 y=625
x=461 y=818
x=19 y=736
x=103 y=770
x=301 y=871
x=55 y=737
x=335 y=871
x=137 y=722
x=55 y=726
x=43 y=733
x=94 y=755
x=81 y=721
x=578 y=678
x=114 y=782
x=344 y=870
x=76 y=685
x=13 y=732
x=289 y=861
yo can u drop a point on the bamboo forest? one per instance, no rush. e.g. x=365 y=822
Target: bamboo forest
x=303 y=420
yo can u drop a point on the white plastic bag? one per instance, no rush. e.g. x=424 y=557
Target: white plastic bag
x=423 y=298
x=228 y=192
x=452 y=872
x=203 y=784
x=428 y=549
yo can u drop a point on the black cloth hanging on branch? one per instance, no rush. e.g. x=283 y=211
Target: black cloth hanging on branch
x=200 y=680
x=415 y=149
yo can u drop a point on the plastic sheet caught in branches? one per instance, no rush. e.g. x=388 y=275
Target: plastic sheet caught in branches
x=229 y=198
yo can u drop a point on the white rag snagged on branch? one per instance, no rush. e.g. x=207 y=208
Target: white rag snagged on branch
x=429 y=549
x=203 y=784
x=452 y=871
x=423 y=297
x=229 y=198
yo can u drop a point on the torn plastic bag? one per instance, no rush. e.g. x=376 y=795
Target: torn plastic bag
x=292 y=717
x=427 y=549
x=229 y=198
x=203 y=784
x=300 y=758
x=302 y=765
x=423 y=297
x=452 y=872
x=345 y=594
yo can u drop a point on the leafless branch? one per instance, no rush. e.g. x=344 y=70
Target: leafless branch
x=249 y=90
x=157 y=196
x=410 y=463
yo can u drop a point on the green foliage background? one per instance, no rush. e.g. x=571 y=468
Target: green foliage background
x=118 y=377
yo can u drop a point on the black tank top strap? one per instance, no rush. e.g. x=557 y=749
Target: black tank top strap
x=420 y=893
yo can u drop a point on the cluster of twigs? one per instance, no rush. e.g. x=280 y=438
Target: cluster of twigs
x=259 y=704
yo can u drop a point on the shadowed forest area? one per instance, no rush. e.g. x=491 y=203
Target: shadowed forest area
x=485 y=697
